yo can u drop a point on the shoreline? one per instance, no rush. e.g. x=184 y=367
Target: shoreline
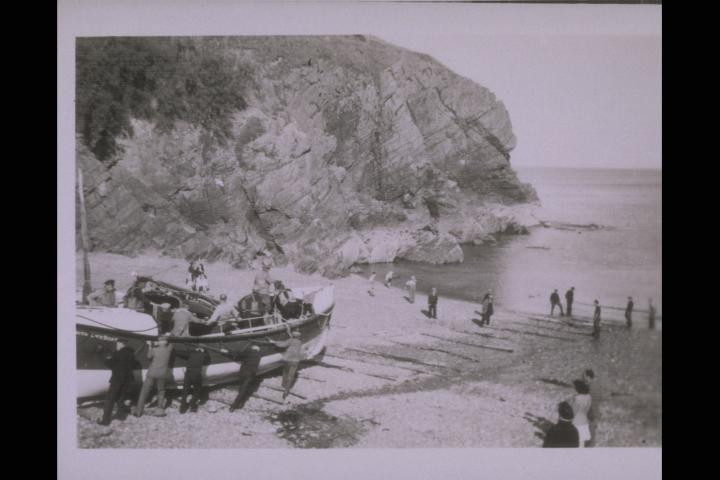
x=392 y=377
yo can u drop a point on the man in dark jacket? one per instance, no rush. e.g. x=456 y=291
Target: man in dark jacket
x=121 y=362
x=249 y=357
x=569 y=298
x=563 y=434
x=628 y=312
x=555 y=302
x=196 y=359
x=432 y=303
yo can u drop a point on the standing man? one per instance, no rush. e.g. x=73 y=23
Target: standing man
x=263 y=284
x=411 y=285
x=596 y=320
x=389 y=279
x=105 y=296
x=181 y=319
x=563 y=434
x=651 y=315
x=432 y=303
x=121 y=362
x=488 y=309
x=628 y=312
x=555 y=302
x=569 y=297
x=292 y=356
x=249 y=358
x=159 y=355
x=196 y=359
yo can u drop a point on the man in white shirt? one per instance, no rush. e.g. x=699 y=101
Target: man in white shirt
x=224 y=311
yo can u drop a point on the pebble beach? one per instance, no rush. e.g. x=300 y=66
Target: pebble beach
x=391 y=377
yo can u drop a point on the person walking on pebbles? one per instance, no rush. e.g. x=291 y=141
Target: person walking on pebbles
x=596 y=319
x=432 y=303
x=389 y=278
x=371 y=280
x=569 y=298
x=555 y=302
x=411 y=286
x=121 y=363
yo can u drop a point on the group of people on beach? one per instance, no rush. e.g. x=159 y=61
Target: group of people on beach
x=597 y=310
x=410 y=287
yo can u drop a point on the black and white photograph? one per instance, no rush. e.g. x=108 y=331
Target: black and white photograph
x=423 y=230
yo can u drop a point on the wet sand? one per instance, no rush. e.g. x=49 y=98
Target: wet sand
x=392 y=377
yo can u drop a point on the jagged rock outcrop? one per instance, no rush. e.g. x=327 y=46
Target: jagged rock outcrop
x=351 y=150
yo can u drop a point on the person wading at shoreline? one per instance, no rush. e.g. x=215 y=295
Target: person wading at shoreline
x=432 y=303
x=555 y=302
x=157 y=373
x=249 y=358
x=629 y=312
x=293 y=356
x=569 y=298
x=596 y=320
x=192 y=383
x=122 y=363
x=563 y=434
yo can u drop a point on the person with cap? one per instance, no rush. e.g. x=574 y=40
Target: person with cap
x=563 y=434
x=596 y=319
x=628 y=312
x=263 y=285
x=195 y=360
x=104 y=296
x=432 y=303
x=555 y=302
x=224 y=311
x=569 y=298
x=411 y=286
x=293 y=355
x=249 y=357
x=581 y=403
x=121 y=362
x=160 y=355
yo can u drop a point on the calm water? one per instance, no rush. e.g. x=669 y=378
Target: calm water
x=623 y=259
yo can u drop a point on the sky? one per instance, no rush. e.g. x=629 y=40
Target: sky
x=573 y=100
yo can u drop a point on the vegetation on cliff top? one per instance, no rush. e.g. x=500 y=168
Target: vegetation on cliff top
x=157 y=79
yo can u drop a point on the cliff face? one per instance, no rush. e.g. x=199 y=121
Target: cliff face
x=350 y=150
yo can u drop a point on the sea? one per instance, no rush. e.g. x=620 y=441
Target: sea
x=622 y=258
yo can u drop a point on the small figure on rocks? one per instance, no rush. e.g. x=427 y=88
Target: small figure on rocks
x=293 y=356
x=371 y=280
x=196 y=359
x=629 y=312
x=411 y=286
x=581 y=403
x=249 y=358
x=121 y=363
x=651 y=315
x=555 y=302
x=389 y=278
x=563 y=434
x=596 y=320
x=432 y=303
x=569 y=298
x=160 y=355
x=104 y=296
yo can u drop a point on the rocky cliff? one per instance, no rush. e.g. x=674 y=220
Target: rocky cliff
x=350 y=150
